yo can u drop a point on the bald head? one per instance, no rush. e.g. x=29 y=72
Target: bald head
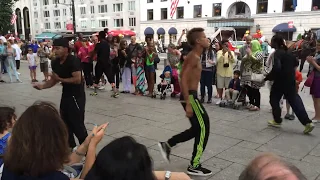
x=248 y=39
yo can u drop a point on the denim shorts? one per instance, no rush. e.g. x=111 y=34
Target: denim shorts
x=150 y=68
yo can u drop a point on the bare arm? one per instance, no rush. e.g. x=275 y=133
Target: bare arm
x=48 y=84
x=90 y=159
x=75 y=79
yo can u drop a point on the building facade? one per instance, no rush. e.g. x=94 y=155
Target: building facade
x=270 y=16
x=91 y=16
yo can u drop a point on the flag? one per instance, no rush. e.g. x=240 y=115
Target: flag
x=294 y=3
x=173 y=8
x=13 y=19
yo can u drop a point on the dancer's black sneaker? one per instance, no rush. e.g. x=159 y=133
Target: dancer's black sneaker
x=199 y=171
x=165 y=150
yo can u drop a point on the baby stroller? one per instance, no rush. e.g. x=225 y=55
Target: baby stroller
x=240 y=100
x=164 y=86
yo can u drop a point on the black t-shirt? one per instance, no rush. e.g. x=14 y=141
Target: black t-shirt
x=57 y=175
x=65 y=70
x=103 y=52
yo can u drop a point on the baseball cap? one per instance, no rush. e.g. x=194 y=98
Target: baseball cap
x=63 y=42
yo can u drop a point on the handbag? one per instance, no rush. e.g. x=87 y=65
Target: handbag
x=309 y=80
x=257 y=77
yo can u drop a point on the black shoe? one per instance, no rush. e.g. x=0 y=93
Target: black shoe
x=165 y=150
x=202 y=100
x=209 y=101
x=199 y=171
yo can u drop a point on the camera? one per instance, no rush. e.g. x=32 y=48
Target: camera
x=226 y=65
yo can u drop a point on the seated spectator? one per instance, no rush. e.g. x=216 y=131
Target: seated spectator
x=126 y=159
x=7 y=120
x=234 y=87
x=268 y=166
x=38 y=147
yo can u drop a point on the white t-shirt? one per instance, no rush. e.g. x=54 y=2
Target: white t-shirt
x=31 y=59
x=18 y=51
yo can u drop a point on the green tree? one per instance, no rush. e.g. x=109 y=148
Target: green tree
x=5 y=15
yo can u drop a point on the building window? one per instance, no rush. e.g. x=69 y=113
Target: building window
x=103 y=8
x=163 y=0
x=132 y=5
x=117 y=7
x=47 y=26
x=46 y=14
x=93 y=23
x=82 y=10
x=240 y=8
x=35 y=14
x=315 y=5
x=180 y=12
x=132 y=21
x=55 y=1
x=197 y=11
x=150 y=14
x=56 y=13
x=57 y=25
x=118 y=22
x=262 y=6
x=64 y=12
x=46 y=2
x=64 y=25
x=216 y=9
x=103 y=23
x=83 y=23
x=92 y=9
x=288 y=6
x=164 y=13
x=149 y=1
x=35 y=3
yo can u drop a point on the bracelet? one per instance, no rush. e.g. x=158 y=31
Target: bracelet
x=79 y=154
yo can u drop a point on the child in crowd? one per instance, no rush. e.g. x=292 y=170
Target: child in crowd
x=298 y=81
x=7 y=120
x=234 y=87
x=31 y=57
x=165 y=82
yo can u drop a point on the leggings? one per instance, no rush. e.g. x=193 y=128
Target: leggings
x=116 y=74
x=200 y=129
x=106 y=69
x=87 y=71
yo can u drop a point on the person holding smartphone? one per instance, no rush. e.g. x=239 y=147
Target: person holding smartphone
x=225 y=61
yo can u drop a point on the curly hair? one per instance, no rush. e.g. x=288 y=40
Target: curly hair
x=39 y=142
x=6 y=116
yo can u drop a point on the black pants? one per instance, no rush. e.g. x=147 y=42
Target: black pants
x=206 y=81
x=87 y=71
x=18 y=64
x=72 y=112
x=254 y=96
x=116 y=75
x=290 y=92
x=106 y=69
x=200 y=129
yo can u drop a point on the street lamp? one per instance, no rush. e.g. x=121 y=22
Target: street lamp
x=73 y=15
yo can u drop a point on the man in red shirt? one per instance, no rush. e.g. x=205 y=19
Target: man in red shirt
x=78 y=43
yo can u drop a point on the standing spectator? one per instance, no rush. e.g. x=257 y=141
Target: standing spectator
x=225 y=61
x=217 y=47
x=43 y=53
x=83 y=55
x=133 y=55
x=243 y=49
x=150 y=55
x=18 y=54
x=252 y=63
x=3 y=57
x=114 y=46
x=31 y=58
x=125 y=66
x=11 y=54
x=93 y=56
x=208 y=60
x=315 y=88
x=78 y=43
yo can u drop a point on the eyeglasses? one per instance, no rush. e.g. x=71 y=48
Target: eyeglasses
x=29 y=50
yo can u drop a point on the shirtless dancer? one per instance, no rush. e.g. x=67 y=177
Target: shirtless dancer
x=200 y=126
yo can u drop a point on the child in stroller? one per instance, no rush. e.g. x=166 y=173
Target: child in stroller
x=165 y=84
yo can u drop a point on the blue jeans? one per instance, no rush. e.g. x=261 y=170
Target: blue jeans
x=3 y=67
x=206 y=81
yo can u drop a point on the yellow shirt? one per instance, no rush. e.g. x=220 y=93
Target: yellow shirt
x=223 y=59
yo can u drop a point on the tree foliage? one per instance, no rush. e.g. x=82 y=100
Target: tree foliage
x=5 y=15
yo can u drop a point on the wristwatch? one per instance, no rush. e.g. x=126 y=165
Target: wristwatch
x=167 y=175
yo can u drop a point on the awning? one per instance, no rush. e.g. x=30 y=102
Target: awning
x=172 y=30
x=46 y=35
x=148 y=31
x=283 y=27
x=231 y=23
x=161 y=31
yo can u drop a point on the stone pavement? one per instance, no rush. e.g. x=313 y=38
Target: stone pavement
x=236 y=136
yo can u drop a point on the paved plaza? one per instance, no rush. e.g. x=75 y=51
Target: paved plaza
x=236 y=136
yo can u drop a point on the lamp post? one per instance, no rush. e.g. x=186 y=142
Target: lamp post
x=73 y=11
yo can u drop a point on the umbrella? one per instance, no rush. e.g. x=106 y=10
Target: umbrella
x=122 y=32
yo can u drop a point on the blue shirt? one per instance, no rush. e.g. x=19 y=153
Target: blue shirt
x=34 y=47
x=2 y=48
x=3 y=145
x=57 y=175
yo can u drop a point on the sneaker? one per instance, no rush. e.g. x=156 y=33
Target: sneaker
x=19 y=81
x=308 y=128
x=165 y=150
x=202 y=100
x=209 y=101
x=101 y=87
x=287 y=116
x=218 y=102
x=199 y=171
x=292 y=117
x=273 y=123
x=315 y=121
